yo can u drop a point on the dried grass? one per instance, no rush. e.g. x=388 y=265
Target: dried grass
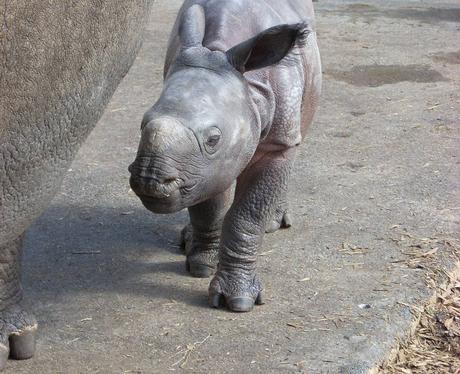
x=186 y=352
x=433 y=345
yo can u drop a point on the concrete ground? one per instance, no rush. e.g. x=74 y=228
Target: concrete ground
x=375 y=199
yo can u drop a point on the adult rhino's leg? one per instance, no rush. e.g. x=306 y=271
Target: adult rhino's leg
x=202 y=236
x=257 y=195
x=17 y=327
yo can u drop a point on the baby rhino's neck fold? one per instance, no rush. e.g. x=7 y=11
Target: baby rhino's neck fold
x=263 y=99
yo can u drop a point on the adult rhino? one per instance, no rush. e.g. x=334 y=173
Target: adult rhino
x=60 y=64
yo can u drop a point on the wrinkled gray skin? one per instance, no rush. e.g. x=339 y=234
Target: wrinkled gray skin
x=242 y=81
x=60 y=64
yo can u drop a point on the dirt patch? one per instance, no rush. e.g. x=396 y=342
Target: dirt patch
x=430 y=15
x=361 y=8
x=378 y=75
x=448 y=57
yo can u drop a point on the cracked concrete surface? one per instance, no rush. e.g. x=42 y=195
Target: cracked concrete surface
x=376 y=180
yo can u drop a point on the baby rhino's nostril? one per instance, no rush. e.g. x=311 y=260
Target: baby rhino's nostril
x=169 y=180
x=165 y=175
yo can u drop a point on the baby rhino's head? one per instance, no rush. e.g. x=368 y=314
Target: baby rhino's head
x=203 y=130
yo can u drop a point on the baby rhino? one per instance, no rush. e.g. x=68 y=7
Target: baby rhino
x=241 y=84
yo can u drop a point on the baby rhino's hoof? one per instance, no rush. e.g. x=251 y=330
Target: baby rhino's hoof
x=237 y=304
x=17 y=334
x=281 y=220
x=237 y=294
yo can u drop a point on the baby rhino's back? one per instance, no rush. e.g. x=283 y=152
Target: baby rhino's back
x=286 y=93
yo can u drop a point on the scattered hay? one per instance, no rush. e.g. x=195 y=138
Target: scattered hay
x=186 y=352
x=422 y=253
x=433 y=345
x=351 y=249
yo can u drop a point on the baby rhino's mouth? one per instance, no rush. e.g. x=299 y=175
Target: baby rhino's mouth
x=153 y=186
x=158 y=190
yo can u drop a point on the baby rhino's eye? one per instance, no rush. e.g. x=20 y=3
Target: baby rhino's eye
x=213 y=140
x=212 y=137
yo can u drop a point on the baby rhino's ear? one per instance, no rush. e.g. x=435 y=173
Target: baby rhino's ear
x=268 y=47
x=192 y=26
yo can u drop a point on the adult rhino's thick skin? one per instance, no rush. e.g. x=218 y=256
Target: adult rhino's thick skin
x=242 y=82
x=60 y=64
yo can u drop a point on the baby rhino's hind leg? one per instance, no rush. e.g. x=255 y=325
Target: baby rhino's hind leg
x=281 y=218
x=186 y=238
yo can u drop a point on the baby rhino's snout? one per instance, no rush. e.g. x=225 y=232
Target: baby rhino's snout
x=154 y=172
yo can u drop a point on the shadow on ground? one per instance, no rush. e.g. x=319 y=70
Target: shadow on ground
x=101 y=249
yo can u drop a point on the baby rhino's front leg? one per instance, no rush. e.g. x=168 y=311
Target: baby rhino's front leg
x=257 y=194
x=201 y=238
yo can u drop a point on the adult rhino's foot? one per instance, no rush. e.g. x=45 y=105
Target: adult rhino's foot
x=282 y=219
x=238 y=291
x=17 y=334
x=202 y=253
